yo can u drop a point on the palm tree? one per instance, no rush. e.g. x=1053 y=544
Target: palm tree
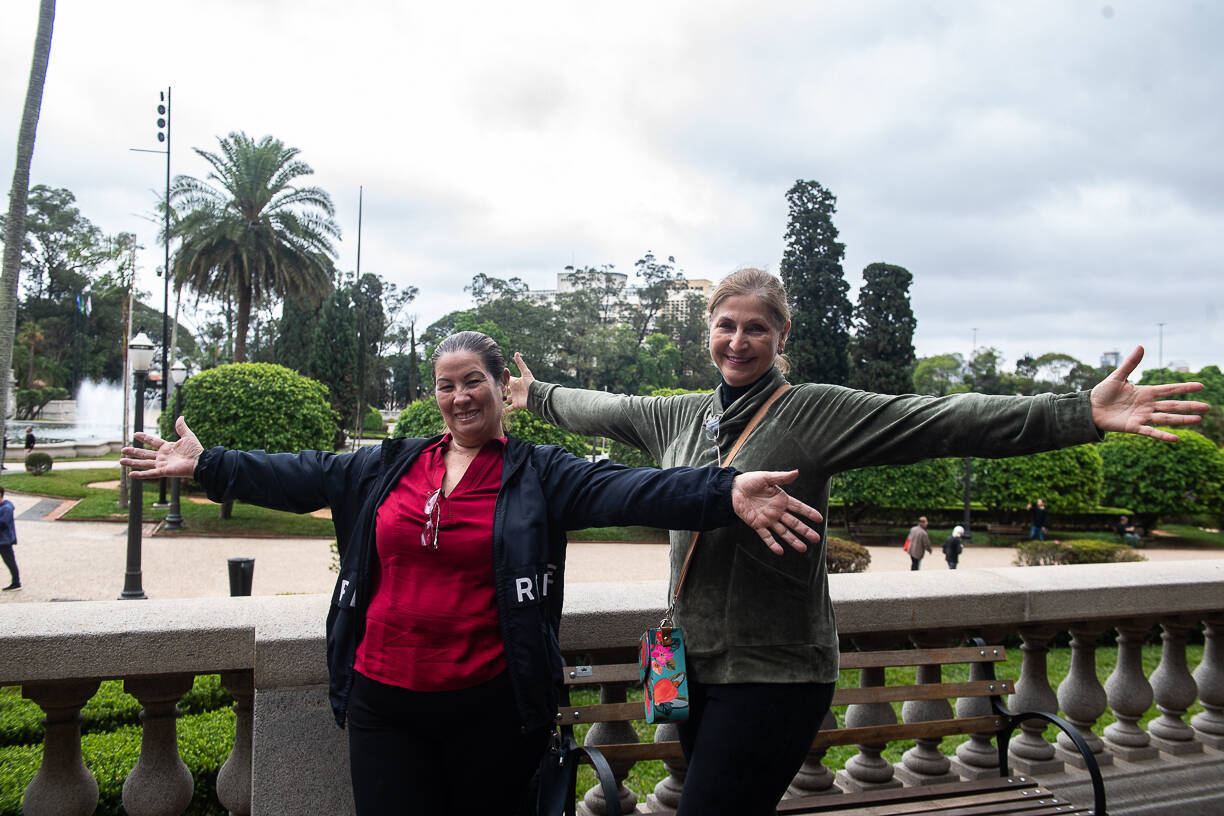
x=255 y=236
x=31 y=335
x=14 y=227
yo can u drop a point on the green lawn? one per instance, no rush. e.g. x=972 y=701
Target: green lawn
x=102 y=504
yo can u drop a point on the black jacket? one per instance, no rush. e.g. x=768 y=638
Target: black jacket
x=545 y=491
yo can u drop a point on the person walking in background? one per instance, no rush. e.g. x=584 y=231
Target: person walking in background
x=29 y=439
x=954 y=546
x=1041 y=520
x=8 y=537
x=918 y=543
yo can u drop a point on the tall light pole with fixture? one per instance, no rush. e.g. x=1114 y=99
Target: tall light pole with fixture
x=140 y=354
x=174 y=518
x=163 y=136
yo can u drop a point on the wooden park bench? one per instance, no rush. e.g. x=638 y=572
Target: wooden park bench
x=1008 y=793
x=1011 y=532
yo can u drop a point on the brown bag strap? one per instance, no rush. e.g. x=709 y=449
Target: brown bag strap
x=739 y=443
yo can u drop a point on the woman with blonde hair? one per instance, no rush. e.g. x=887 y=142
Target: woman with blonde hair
x=759 y=624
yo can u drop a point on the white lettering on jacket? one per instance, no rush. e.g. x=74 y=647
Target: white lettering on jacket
x=534 y=587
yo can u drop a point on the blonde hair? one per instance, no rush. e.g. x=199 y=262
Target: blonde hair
x=764 y=287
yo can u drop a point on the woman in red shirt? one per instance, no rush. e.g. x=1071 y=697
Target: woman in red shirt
x=451 y=591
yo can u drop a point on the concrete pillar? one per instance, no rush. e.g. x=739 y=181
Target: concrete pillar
x=1029 y=752
x=867 y=769
x=666 y=795
x=814 y=778
x=160 y=784
x=63 y=786
x=610 y=733
x=978 y=758
x=1209 y=725
x=1175 y=691
x=1130 y=695
x=234 y=777
x=924 y=764
x=1082 y=697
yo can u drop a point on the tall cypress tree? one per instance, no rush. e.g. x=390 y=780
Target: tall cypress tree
x=811 y=269
x=882 y=351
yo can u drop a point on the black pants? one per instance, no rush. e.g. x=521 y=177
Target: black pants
x=915 y=563
x=441 y=753
x=744 y=743
x=10 y=561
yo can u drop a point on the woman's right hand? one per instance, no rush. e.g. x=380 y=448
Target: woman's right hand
x=162 y=458
x=519 y=386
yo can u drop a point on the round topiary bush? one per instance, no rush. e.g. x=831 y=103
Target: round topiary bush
x=846 y=556
x=38 y=463
x=257 y=406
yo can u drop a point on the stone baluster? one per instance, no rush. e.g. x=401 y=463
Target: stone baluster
x=1082 y=697
x=234 y=777
x=924 y=764
x=63 y=785
x=666 y=795
x=1129 y=694
x=814 y=778
x=867 y=769
x=1029 y=752
x=160 y=784
x=610 y=733
x=1209 y=725
x=978 y=758
x=1175 y=691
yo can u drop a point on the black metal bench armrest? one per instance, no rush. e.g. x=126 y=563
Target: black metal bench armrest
x=1013 y=720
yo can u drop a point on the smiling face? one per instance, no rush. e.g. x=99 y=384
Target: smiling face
x=469 y=397
x=743 y=339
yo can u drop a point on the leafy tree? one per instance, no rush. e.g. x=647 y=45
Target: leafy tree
x=939 y=375
x=811 y=269
x=1152 y=478
x=14 y=227
x=1212 y=393
x=983 y=374
x=256 y=236
x=919 y=486
x=658 y=280
x=687 y=329
x=882 y=351
x=1068 y=479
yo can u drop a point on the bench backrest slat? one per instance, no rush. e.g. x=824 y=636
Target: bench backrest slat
x=923 y=657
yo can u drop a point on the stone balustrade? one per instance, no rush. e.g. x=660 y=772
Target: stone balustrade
x=290 y=758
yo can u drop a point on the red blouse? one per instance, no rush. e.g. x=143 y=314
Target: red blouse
x=432 y=624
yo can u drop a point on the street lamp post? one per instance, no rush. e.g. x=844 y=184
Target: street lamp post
x=174 y=518
x=140 y=354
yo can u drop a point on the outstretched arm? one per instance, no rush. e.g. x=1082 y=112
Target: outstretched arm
x=164 y=459
x=1118 y=405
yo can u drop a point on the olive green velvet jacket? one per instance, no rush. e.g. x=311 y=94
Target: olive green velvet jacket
x=750 y=616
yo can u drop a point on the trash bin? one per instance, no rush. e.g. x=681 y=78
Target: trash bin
x=241 y=571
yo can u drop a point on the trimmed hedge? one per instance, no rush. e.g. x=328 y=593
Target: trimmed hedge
x=1083 y=551
x=38 y=463
x=110 y=743
x=846 y=556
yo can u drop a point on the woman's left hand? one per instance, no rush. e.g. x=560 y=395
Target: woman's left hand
x=771 y=511
x=1118 y=405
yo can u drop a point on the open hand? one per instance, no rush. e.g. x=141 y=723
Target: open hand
x=1118 y=405
x=771 y=511
x=517 y=401
x=162 y=458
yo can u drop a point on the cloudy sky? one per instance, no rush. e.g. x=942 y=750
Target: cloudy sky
x=1050 y=172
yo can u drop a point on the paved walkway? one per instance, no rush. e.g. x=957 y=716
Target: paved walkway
x=85 y=560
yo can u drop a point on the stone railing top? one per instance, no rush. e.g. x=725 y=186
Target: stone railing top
x=282 y=637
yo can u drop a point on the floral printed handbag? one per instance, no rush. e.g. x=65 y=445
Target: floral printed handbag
x=661 y=664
